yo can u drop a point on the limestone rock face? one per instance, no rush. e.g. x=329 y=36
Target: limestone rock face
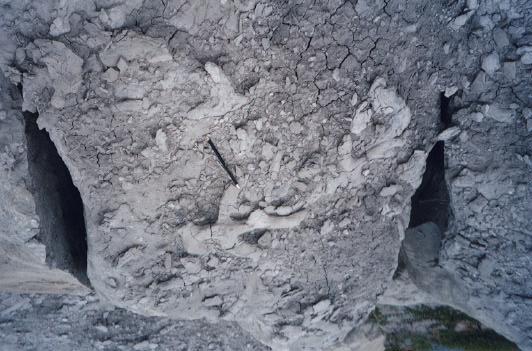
x=349 y=127
x=23 y=265
x=167 y=233
x=483 y=261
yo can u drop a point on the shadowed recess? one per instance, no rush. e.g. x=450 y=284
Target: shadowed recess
x=445 y=111
x=58 y=204
x=430 y=202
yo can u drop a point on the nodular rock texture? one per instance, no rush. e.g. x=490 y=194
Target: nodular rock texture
x=382 y=151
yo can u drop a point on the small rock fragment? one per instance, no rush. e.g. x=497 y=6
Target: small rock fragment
x=509 y=70
x=322 y=306
x=265 y=43
x=59 y=27
x=477 y=117
x=110 y=75
x=526 y=59
x=448 y=133
x=461 y=20
x=122 y=64
x=111 y=282
x=527 y=113
x=362 y=8
x=296 y=127
x=213 y=301
x=411 y=28
x=450 y=91
x=490 y=63
x=472 y=4
x=114 y=17
x=354 y=99
x=526 y=54
x=20 y=55
x=481 y=83
x=336 y=74
x=390 y=190
x=265 y=240
x=500 y=38
x=486 y=23
x=268 y=151
x=361 y=118
x=191 y=265
x=102 y=328
x=161 y=140
x=498 y=113
x=168 y=261
x=92 y=64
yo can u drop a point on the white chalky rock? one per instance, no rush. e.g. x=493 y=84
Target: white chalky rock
x=387 y=101
x=114 y=17
x=361 y=118
x=461 y=20
x=224 y=97
x=491 y=64
x=526 y=54
x=354 y=99
x=498 y=113
x=526 y=59
x=300 y=255
x=59 y=27
x=64 y=69
x=161 y=140
x=448 y=133
x=450 y=91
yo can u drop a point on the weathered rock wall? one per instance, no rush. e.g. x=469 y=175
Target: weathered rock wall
x=23 y=265
x=326 y=112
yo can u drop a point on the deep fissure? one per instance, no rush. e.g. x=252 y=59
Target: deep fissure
x=445 y=111
x=58 y=203
x=430 y=202
x=429 y=215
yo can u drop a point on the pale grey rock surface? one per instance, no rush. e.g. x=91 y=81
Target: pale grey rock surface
x=483 y=261
x=326 y=112
x=85 y=324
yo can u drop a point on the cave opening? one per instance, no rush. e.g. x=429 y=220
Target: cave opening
x=430 y=202
x=429 y=217
x=58 y=203
x=445 y=111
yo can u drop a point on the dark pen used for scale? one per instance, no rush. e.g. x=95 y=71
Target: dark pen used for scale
x=222 y=162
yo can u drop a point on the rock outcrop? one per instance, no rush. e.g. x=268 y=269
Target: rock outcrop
x=353 y=129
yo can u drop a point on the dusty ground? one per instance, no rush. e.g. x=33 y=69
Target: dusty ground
x=76 y=323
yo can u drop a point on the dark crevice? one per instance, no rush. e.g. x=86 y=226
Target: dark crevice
x=430 y=202
x=58 y=204
x=445 y=111
x=429 y=216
